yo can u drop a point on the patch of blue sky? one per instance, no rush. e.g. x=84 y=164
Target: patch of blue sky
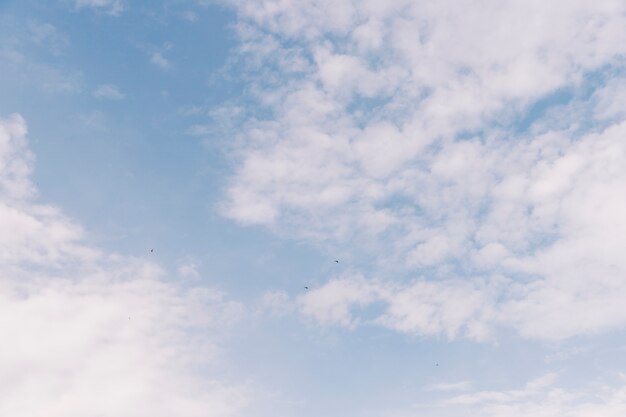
x=470 y=135
x=539 y=108
x=375 y=365
x=402 y=203
x=558 y=109
x=365 y=109
x=106 y=140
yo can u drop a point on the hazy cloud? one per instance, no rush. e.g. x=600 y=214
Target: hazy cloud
x=159 y=60
x=112 y=7
x=108 y=91
x=92 y=333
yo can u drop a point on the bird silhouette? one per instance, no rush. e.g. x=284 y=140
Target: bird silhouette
x=306 y=288
x=336 y=261
x=151 y=250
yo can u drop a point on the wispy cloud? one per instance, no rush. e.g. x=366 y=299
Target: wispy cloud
x=159 y=60
x=19 y=65
x=188 y=268
x=112 y=7
x=200 y=130
x=108 y=91
x=47 y=35
x=543 y=397
x=109 y=321
x=451 y=386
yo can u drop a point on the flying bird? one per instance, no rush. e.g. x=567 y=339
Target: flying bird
x=336 y=261
x=151 y=250
x=306 y=288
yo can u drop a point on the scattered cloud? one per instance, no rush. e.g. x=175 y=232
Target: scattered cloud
x=190 y=110
x=93 y=120
x=434 y=138
x=98 y=333
x=534 y=387
x=543 y=397
x=47 y=35
x=189 y=16
x=424 y=308
x=159 y=60
x=200 y=130
x=18 y=65
x=276 y=303
x=112 y=7
x=108 y=91
x=189 y=268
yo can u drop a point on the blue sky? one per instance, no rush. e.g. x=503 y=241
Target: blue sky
x=173 y=174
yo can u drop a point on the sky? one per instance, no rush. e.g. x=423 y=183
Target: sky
x=312 y=208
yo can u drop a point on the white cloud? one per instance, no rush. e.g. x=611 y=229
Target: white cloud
x=423 y=308
x=159 y=60
x=108 y=345
x=16 y=160
x=47 y=35
x=22 y=69
x=108 y=91
x=112 y=7
x=91 y=333
x=200 y=130
x=399 y=136
x=276 y=303
x=450 y=386
x=542 y=397
x=189 y=16
x=534 y=387
x=332 y=302
x=611 y=100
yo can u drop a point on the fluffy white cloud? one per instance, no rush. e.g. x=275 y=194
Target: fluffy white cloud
x=401 y=133
x=421 y=307
x=90 y=333
x=332 y=303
